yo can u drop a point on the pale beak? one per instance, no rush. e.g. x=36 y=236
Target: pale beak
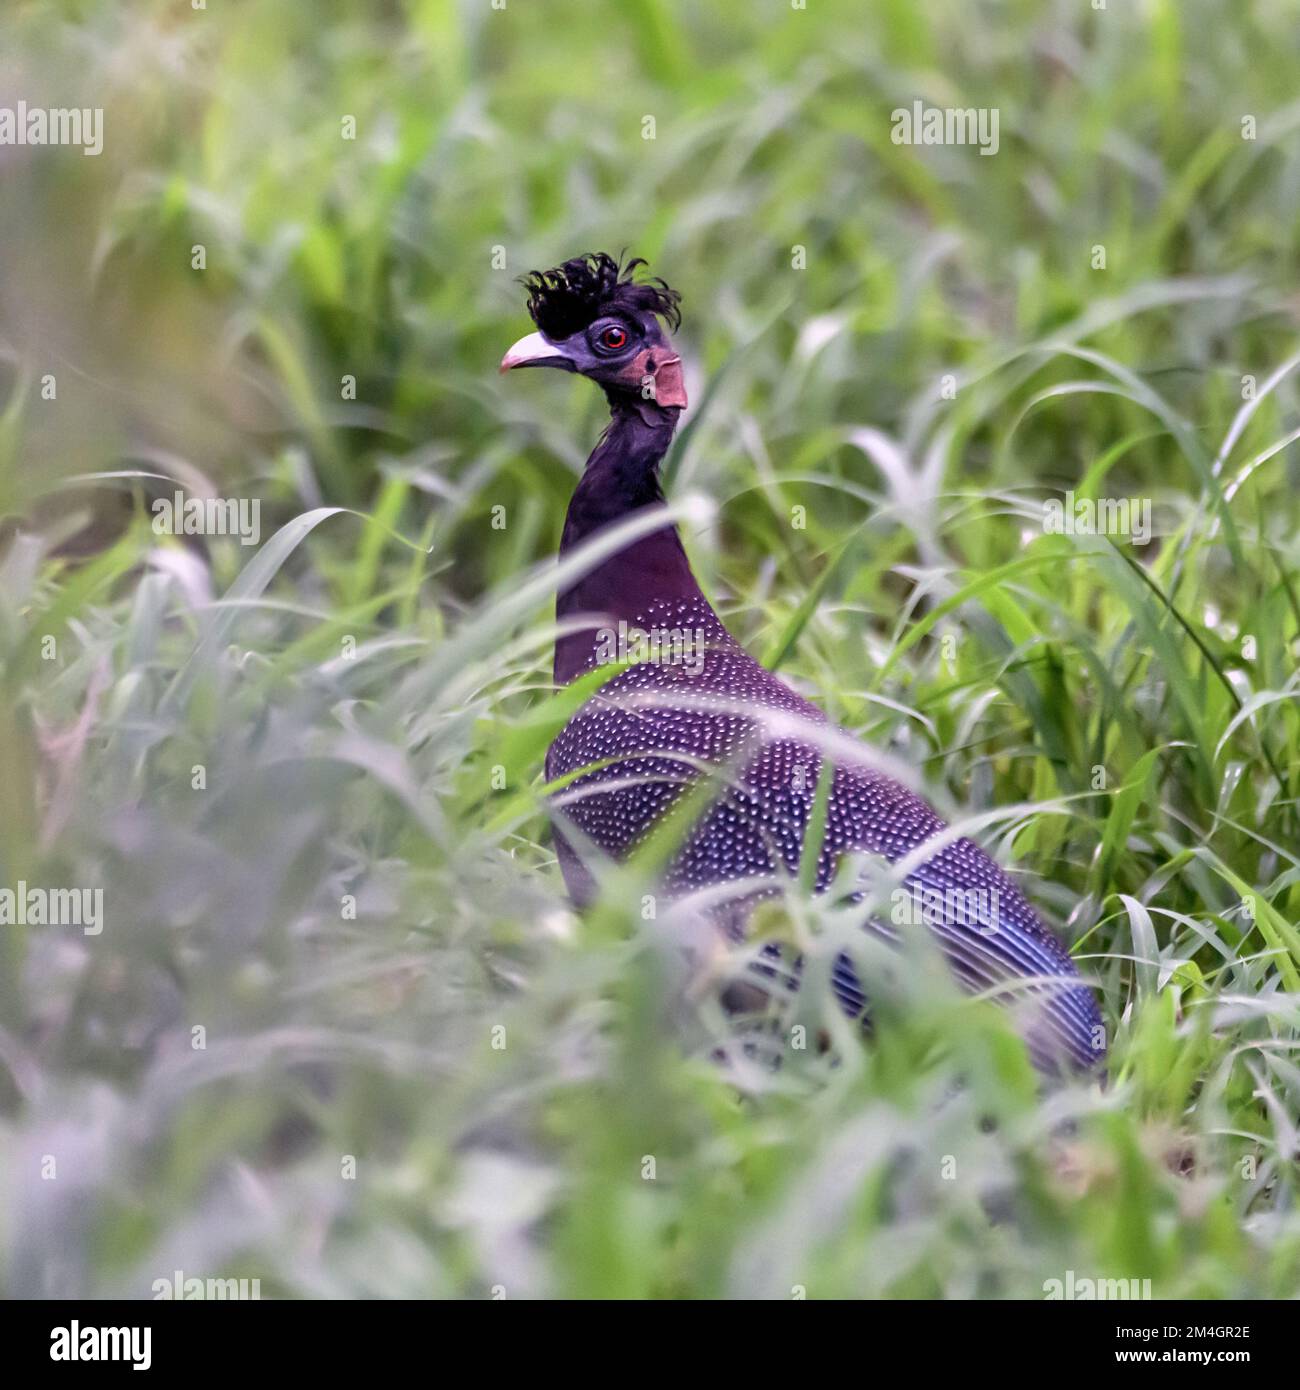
x=535 y=351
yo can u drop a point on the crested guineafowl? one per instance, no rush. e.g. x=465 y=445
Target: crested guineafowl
x=647 y=734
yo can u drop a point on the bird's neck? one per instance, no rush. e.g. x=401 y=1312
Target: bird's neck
x=621 y=477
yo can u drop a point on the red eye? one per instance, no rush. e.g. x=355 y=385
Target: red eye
x=614 y=338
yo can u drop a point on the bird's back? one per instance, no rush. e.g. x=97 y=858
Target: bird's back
x=704 y=702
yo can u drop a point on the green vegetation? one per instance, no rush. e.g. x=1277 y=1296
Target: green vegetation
x=278 y=762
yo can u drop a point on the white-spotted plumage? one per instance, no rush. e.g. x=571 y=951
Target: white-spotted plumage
x=652 y=726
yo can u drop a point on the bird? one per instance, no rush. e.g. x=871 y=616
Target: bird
x=696 y=701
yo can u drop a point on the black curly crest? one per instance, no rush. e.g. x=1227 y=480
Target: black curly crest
x=565 y=300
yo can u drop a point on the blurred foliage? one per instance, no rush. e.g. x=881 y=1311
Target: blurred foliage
x=372 y=936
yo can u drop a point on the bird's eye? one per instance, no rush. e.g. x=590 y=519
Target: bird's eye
x=614 y=338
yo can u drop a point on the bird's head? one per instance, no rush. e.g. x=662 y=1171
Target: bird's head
x=594 y=318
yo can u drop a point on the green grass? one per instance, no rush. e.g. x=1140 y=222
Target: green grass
x=355 y=898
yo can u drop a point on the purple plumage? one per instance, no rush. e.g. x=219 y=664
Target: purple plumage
x=702 y=701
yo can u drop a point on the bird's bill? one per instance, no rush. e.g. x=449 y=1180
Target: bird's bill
x=535 y=351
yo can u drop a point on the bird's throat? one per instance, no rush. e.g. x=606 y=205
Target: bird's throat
x=621 y=477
